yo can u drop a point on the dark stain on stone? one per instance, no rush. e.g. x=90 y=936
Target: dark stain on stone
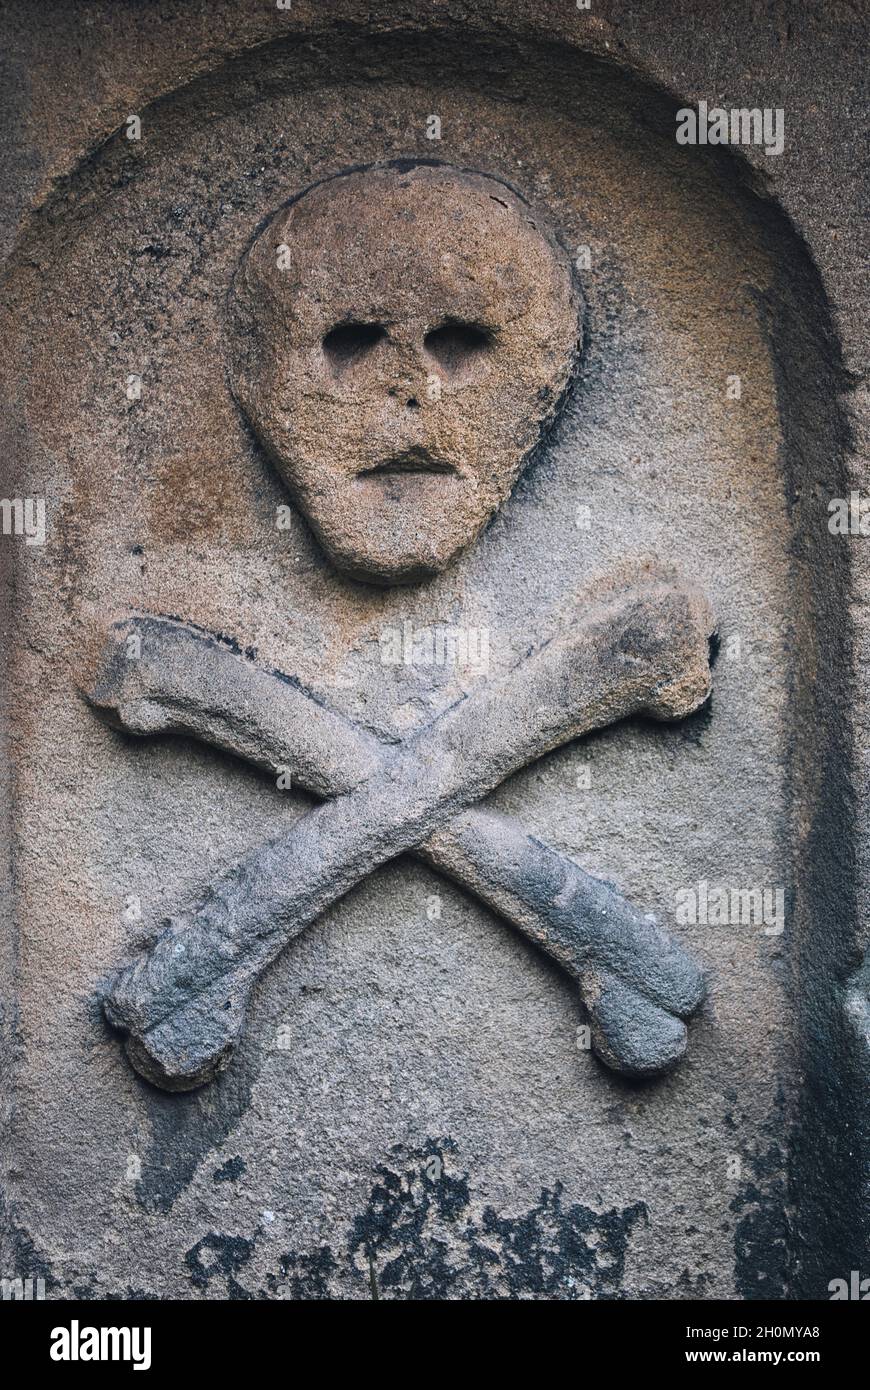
x=304 y=1276
x=762 y=1235
x=218 y=1256
x=25 y=1260
x=186 y=1128
x=426 y=1239
x=424 y=1235
x=229 y=1171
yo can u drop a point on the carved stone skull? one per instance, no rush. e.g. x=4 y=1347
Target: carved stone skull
x=399 y=338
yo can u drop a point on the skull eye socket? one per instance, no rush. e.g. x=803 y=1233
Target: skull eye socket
x=457 y=346
x=348 y=342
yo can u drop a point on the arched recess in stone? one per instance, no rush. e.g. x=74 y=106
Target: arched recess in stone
x=161 y=500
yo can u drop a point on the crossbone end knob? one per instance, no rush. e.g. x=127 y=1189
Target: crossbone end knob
x=631 y=1034
x=187 y=1047
x=685 y=626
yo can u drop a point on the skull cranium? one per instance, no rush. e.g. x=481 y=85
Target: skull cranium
x=400 y=336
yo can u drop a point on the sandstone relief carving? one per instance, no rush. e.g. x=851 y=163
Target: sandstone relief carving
x=182 y=1004
x=399 y=339
x=404 y=897
x=350 y=306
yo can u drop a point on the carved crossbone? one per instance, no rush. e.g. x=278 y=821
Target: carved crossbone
x=182 y=1002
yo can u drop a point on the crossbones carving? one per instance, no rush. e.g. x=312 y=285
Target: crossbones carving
x=182 y=1002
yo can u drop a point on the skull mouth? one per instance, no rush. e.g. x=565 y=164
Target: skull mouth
x=408 y=463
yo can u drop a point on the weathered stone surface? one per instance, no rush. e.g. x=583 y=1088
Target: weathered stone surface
x=408 y=1101
x=400 y=336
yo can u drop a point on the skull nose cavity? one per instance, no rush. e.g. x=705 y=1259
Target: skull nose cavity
x=348 y=343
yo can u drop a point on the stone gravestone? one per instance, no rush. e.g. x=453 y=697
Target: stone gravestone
x=431 y=855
